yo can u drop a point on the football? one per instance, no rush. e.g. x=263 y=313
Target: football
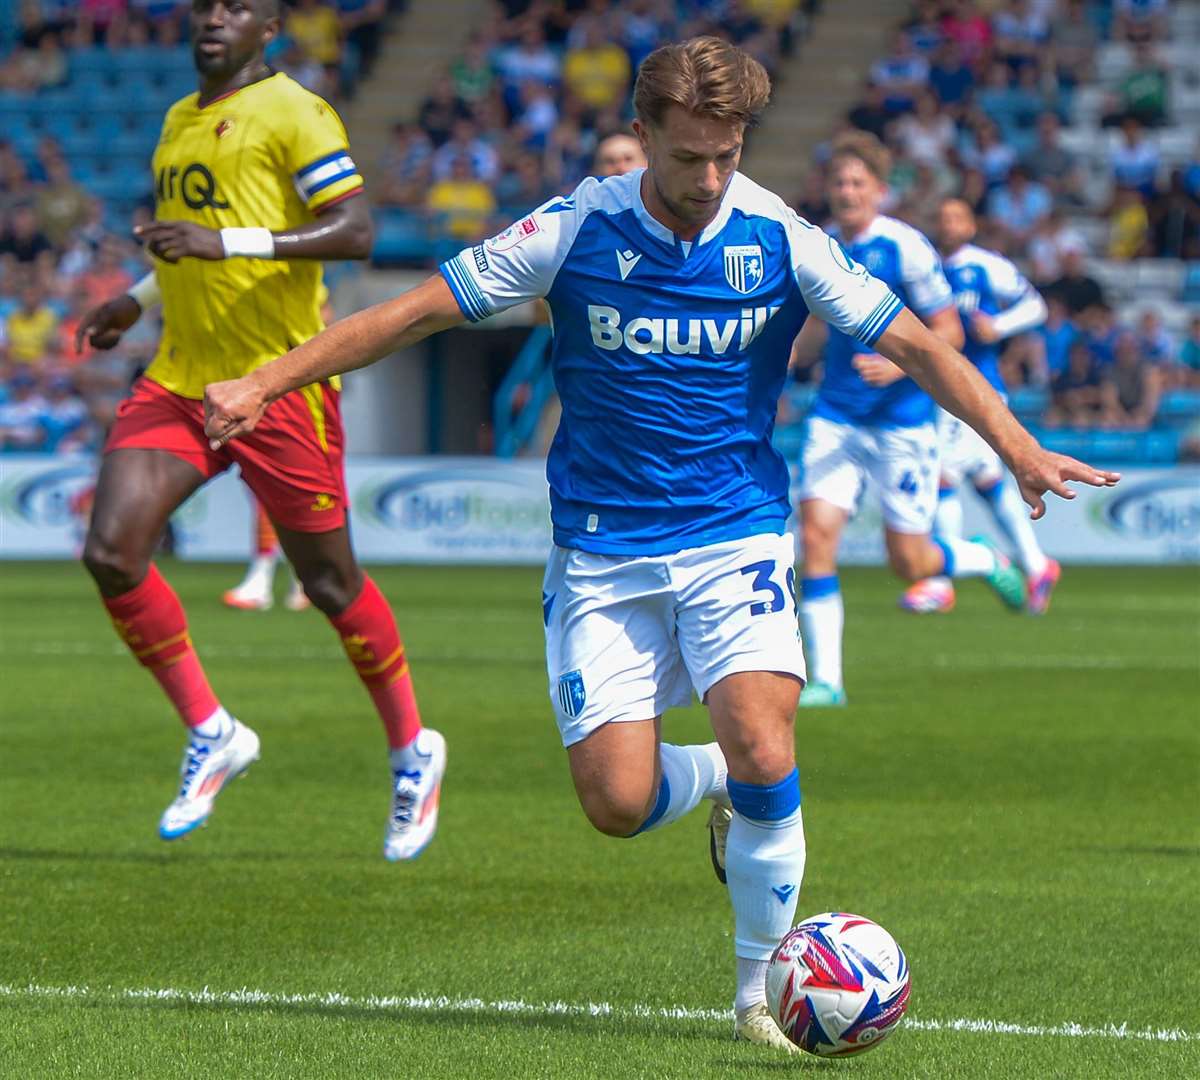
x=837 y=984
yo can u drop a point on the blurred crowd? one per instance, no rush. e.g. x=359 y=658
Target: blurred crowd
x=518 y=115
x=981 y=99
x=978 y=100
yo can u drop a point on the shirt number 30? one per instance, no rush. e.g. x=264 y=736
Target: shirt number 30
x=762 y=583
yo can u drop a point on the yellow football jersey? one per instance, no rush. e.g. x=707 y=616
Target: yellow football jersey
x=271 y=154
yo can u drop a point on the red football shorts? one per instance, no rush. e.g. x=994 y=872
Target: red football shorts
x=292 y=460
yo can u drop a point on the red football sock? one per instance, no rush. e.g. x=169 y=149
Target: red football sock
x=369 y=635
x=150 y=620
x=266 y=540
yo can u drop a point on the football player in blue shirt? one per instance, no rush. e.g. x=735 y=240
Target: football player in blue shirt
x=676 y=292
x=996 y=302
x=872 y=422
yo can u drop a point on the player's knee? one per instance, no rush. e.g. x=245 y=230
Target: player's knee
x=113 y=569
x=614 y=813
x=329 y=588
x=755 y=758
x=819 y=543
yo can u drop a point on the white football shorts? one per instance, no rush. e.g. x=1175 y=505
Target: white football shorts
x=629 y=637
x=902 y=463
x=964 y=453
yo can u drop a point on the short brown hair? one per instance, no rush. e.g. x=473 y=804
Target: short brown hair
x=705 y=76
x=864 y=147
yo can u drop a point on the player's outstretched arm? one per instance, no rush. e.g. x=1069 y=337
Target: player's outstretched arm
x=956 y=384
x=341 y=231
x=234 y=407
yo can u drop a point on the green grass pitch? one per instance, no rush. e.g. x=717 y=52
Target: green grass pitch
x=1015 y=799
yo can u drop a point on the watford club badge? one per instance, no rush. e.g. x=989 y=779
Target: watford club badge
x=224 y=128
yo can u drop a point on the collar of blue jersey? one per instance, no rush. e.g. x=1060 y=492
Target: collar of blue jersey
x=660 y=232
x=866 y=234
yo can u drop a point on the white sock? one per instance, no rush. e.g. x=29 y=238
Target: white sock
x=1011 y=514
x=217 y=727
x=751 y=983
x=405 y=757
x=948 y=520
x=821 y=619
x=260 y=575
x=965 y=558
x=764 y=862
x=689 y=774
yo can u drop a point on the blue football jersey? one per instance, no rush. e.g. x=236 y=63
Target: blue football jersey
x=984 y=281
x=905 y=261
x=669 y=356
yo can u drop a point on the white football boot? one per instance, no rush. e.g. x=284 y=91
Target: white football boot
x=757 y=1025
x=250 y=595
x=207 y=767
x=415 y=794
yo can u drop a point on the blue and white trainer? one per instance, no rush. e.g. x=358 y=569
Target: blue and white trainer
x=208 y=765
x=416 y=791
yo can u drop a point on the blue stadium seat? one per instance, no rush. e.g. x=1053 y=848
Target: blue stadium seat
x=401 y=237
x=90 y=61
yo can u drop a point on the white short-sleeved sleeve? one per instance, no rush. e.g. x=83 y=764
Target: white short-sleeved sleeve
x=921 y=271
x=517 y=265
x=836 y=288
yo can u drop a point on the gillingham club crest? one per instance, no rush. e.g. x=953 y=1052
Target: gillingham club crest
x=744 y=267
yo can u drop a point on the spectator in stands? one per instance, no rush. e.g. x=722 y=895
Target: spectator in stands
x=1077 y=290
x=1153 y=342
x=1103 y=333
x=21 y=416
x=926 y=135
x=986 y=151
x=1143 y=91
x=522 y=188
x=1019 y=32
x=901 y=74
x=28 y=70
x=1189 y=356
x=1175 y=220
x=531 y=59
x=315 y=27
x=1052 y=165
x=362 y=28
x=1050 y=357
x=162 y=16
x=107 y=275
x=537 y=116
x=64 y=416
x=618 y=154
x=1134 y=160
x=813 y=203
x=969 y=29
x=951 y=78
x=644 y=25
x=62 y=205
x=1073 y=41
x=465 y=144
x=598 y=71
x=102 y=20
x=405 y=167
x=1131 y=388
x=24 y=240
x=568 y=157
x=1076 y=399
x=1128 y=225
x=924 y=29
x=1140 y=20
x=31 y=328
x=461 y=205
x=1052 y=238
x=1017 y=207
x=472 y=72
x=439 y=111
x=871 y=114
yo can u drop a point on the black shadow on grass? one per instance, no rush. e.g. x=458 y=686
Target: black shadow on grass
x=1144 y=849
x=165 y=858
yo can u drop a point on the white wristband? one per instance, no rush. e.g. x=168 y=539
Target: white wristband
x=253 y=243
x=146 y=293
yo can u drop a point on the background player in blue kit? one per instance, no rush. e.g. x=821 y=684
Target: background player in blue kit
x=995 y=302
x=870 y=421
x=675 y=292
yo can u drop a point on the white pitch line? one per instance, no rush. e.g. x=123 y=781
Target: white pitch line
x=547 y=1009
x=948 y=661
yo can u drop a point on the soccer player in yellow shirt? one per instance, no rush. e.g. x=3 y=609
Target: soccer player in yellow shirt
x=254 y=185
